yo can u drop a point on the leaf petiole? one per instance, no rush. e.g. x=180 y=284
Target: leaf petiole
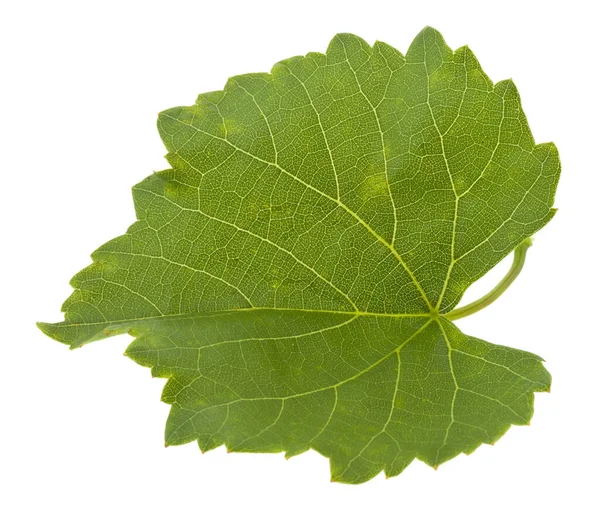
x=498 y=290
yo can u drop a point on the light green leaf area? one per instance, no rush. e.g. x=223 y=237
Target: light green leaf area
x=293 y=272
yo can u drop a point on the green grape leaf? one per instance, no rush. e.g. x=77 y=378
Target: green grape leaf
x=294 y=273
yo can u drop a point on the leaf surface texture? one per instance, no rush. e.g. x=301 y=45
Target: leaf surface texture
x=290 y=273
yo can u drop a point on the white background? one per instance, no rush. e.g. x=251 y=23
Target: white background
x=81 y=433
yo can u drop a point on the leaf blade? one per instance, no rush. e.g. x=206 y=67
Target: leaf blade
x=355 y=195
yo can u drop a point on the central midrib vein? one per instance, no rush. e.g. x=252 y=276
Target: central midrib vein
x=218 y=313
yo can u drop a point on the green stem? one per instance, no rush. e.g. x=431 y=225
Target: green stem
x=498 y=290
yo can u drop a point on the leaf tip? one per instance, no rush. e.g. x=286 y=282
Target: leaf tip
x=45 y=328
x=55 y=332
x=429 y=29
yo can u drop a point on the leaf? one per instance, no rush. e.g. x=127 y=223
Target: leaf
x=294 y=272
